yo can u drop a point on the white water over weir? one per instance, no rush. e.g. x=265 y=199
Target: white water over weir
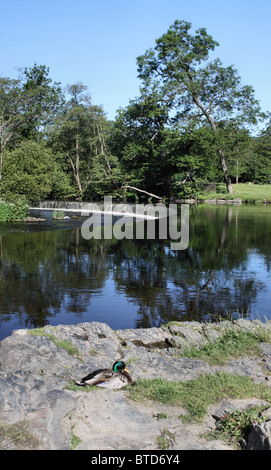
x=87 y=208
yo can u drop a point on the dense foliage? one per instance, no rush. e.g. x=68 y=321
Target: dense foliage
x=192 y=124
x=10 y=211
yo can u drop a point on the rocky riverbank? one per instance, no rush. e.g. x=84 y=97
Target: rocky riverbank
x=39 y=409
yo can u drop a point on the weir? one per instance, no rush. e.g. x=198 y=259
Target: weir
x=87 y=208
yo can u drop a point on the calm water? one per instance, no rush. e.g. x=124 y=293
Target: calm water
x=51 y=275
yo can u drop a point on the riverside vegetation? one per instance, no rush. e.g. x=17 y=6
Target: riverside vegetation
x=13 y=211
x=166 y=143
x=196 y=386
x=17 y=210
x=245 y=192
x=163 y=145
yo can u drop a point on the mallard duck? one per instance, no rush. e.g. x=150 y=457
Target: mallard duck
x=117 y=377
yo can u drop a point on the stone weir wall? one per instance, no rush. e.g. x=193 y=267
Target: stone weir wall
x=39 y=411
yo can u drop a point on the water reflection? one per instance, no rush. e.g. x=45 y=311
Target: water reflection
x=52 y=275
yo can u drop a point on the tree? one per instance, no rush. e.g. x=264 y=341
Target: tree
x=139 y=139
x=79 y=134
x=236 y=142
x=74 y=131
x=197 y=89
x=197 y=161
x=28 y=172
x=26 y=105
x=260 y=161
x=43 y=98
x=160 y=157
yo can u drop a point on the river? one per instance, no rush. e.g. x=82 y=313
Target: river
x=50 y=274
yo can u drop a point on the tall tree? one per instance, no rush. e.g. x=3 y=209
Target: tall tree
x=160 y=157
x=79 y=133
x=195 y=88
x=28 y=172
x=259 y=170
x=26 y=104
x=43 y=99
x=236 y=142
x=139 y=137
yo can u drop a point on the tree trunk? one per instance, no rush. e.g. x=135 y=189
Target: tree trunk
x=220 y=152
x=103 y=152
x=225 y=171
x=76 y=175
x=75 y=167
x=237 y=169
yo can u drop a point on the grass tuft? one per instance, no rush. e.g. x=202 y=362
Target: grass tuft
x=232 y=343
x=63 y=344
x=196 y=395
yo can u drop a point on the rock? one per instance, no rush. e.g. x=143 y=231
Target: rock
x=187 y=334
x=251 y=367
x=235 y=201
x=209 y=201
x=259 y=437
x=37 y=369
x=191 y=337
x=41 y=403
x=34 y=219
x=230 y=405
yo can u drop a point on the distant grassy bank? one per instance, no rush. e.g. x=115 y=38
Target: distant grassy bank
x=251 y=193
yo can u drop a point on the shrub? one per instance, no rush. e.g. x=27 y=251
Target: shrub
x=10 y=211
x=28 y=172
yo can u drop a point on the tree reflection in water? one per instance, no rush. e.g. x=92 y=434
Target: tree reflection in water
x=55 y=276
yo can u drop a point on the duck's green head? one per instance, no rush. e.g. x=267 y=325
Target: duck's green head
x=118 y=366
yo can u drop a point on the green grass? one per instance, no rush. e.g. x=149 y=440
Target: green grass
x=251 y=193
x=67 y=345
x=58 y=215
x=196 y=395
x=75 y=441
x=166 y=440
x=86 y=388
x=231 y=344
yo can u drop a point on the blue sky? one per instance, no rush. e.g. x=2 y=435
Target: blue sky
x=97 y=41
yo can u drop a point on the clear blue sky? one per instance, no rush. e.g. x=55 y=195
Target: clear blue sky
x=97 y=41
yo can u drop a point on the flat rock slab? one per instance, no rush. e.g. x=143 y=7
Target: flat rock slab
x=36 y=369
x=110 y=421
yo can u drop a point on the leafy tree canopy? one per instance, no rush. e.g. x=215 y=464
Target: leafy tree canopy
x=28 y=172
x=196 y=89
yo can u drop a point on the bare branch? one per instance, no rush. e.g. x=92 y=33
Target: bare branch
x=142 y=191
